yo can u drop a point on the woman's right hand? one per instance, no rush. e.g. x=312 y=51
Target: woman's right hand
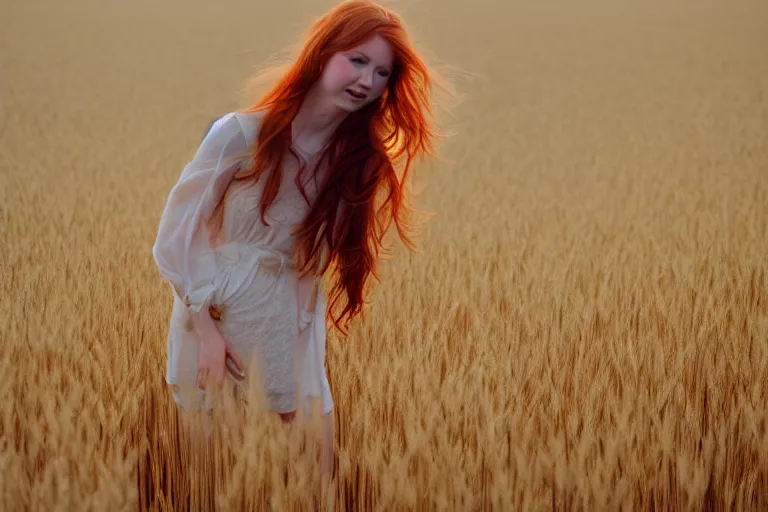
x=215 y=355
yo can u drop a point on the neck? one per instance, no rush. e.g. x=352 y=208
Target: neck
x=316 y=121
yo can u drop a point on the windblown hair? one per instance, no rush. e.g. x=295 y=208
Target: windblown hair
x=368 y=159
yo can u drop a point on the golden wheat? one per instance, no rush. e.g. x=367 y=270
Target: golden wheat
x=586 y=327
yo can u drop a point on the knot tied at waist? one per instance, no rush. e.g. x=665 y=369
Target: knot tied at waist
x=246 y=256
x=269 y=259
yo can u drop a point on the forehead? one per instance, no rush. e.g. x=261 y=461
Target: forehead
x=378 y=50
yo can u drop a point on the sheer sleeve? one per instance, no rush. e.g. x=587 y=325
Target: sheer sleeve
x=183 y=250
x=313 y=334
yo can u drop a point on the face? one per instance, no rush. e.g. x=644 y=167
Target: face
x=354 y=78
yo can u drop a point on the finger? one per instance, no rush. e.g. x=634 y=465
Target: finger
x=202 y=378
x=233 y=369
x=218 y=372
x=234 y=359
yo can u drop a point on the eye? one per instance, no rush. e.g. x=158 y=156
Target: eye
x=357 y=60
x=384 y=73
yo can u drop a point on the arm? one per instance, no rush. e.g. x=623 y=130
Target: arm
x=183 y=250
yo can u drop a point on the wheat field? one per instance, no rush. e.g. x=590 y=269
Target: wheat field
x=585 y=327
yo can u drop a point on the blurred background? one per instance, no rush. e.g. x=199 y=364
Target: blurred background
x=585 y=326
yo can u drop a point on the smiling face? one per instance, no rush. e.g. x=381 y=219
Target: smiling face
x=354 y=78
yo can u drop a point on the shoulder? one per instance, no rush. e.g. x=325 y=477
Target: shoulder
x=231 y=135
x=226 y=125
x=225 y=138
x=249 y=123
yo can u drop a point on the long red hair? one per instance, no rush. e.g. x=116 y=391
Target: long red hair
x=368 y=159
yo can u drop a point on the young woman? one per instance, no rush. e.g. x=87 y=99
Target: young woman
x=300 y=186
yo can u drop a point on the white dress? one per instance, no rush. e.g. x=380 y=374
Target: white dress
x=267 y=315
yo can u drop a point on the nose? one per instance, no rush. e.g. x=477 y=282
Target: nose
x=366 y=79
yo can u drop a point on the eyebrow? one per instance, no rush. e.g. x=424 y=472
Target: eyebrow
x=367 y=57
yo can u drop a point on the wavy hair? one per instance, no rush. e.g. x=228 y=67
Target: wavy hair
x=368 y=158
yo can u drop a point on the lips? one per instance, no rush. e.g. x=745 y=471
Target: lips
x=355 y=94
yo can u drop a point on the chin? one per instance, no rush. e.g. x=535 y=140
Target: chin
x=348 y=106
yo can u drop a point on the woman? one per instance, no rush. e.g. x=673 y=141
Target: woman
x=286 y=192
